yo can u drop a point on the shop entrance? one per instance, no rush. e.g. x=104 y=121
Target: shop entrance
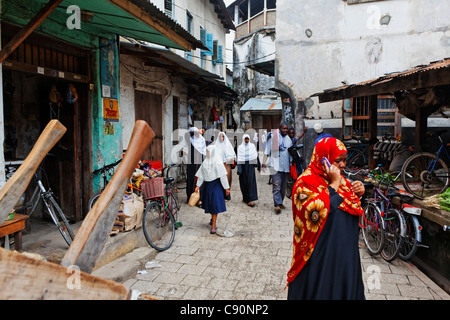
x=30 y=102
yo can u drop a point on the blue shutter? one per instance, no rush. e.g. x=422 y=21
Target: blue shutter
x=209 y=44
x=203 y=36
x=220 y=54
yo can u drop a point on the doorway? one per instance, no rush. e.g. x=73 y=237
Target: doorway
x=148 y=107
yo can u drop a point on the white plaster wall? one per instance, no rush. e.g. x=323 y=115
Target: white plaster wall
x=348 y=43
x=203 y=15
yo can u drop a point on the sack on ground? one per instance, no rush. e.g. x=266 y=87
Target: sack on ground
x=194 y=198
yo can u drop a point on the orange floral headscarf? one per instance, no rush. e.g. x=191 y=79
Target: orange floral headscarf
x=311 y=202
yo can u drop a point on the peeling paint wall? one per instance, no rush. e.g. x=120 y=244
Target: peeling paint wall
x=323 y=43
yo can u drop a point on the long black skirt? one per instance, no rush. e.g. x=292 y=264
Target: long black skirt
x=247 y=182
x=334 y=270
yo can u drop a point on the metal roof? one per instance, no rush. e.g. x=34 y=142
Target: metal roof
x=262 y=104
x=382 y=84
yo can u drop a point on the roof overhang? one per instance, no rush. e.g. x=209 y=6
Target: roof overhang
x=138 y=19
x=266 y=67
x=201 y=82
x=424 y=86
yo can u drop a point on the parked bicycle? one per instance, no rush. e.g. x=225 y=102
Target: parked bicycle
x=178 y=172
x=50 y=205
x=357 y=153
x=159 y=223
x=106 y=173
x=426 y=174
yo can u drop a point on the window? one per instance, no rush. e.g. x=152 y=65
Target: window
x=271 y=4
x=189 y=22
x=168 y=8
x=256 y=7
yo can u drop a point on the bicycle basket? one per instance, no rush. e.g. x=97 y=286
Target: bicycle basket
x=152 y=188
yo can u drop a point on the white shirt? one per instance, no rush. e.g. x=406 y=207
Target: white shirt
x=279 y=160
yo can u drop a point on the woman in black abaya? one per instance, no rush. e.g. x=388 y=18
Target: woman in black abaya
x=246 y=162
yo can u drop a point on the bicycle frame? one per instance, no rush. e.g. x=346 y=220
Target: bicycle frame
x=443 y=148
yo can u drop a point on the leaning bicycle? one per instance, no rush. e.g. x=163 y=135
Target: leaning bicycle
x=106 y=173
x=178 y=172
x=426 y=174
x=158 y=221
x=50 y=205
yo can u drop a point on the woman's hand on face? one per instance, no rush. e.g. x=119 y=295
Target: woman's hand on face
x=334 y=175
x=358 y=188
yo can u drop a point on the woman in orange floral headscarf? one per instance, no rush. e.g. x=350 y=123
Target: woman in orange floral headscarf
x=326 y=210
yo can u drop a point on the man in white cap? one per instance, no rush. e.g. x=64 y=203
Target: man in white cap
x=319 y=130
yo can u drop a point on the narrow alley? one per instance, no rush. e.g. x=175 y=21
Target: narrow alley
x=252 y=264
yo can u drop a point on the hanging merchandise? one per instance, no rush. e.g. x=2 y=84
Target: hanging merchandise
x=216 y=116
x=72 y=95
x=55 y=102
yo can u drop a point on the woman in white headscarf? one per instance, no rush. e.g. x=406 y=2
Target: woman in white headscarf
x=212 y=176
x=246 y=161
x=195 y=148
x=227 y=154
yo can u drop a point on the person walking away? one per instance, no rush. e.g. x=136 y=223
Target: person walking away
x=318 y=128
x=212 y=175
x=326 y=210
x=246 y=162
x=279 y=163
x=195 y=148
x=227 y=154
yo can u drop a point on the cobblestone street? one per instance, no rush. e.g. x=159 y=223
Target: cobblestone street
x=253 y=263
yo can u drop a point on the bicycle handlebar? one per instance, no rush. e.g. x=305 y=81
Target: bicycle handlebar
x=107 y=167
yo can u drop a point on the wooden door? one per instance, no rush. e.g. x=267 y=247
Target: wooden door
x=148 y=107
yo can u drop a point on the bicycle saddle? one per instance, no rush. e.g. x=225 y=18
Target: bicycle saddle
x=168 y=180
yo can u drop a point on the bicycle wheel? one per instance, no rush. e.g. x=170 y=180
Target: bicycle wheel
x=158 y=225
x=394 y=231
x=93 y=200
x=412 y=237
x=59 y=219
x=372 y=229
x=355 y=158
x=178 y=173
x=424 y=175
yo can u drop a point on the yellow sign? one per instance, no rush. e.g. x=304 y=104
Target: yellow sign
x=111 y=109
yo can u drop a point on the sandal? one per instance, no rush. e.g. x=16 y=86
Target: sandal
x=213 y=230
x=251 y=204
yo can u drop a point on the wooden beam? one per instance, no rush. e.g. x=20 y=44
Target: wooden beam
x=96 y=227
x=373 y=120
x=156 y=24
x=29 y=28
x=26 y=278
x=18 y=183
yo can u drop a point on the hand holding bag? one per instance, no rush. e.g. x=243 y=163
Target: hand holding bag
x=194 y=198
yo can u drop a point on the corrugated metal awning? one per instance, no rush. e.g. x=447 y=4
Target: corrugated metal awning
x=262 y=104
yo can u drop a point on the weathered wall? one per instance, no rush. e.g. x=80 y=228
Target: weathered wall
x=349 y=44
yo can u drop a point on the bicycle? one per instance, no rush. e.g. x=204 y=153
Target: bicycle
x=54 y=210
x=426 y=174
x=158 y=221
x=177 y=171
x=106 y=172
x=357 y=153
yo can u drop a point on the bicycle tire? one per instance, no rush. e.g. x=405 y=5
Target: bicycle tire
x=59 y=219
x=372 y=229
x=93 y=200
x=178 y=172
x=394 y=230
x=158 y=226
x=412 y=237
x=356 y=158
x=419 y=181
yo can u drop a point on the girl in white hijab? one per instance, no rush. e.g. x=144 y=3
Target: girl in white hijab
x=246 y=161
x=227 y=154
x=213 y=175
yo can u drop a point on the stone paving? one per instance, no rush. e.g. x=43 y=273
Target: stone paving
x=252 y=265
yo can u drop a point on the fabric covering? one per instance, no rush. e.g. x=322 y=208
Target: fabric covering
x=311 y=207
x=212 y=197
x=247 y=151
x=212 y=167
x=225 y=148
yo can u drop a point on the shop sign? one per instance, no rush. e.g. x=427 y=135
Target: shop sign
x=111 y=109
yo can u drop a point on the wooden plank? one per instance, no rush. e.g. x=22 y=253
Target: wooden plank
x=29 y=28
x=18 y=183
x=93 y=233
x=25 y=278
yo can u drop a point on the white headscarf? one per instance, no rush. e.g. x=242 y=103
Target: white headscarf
x=198 y=141
x=224 y=148
x=246 y=151
x=212 y=167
